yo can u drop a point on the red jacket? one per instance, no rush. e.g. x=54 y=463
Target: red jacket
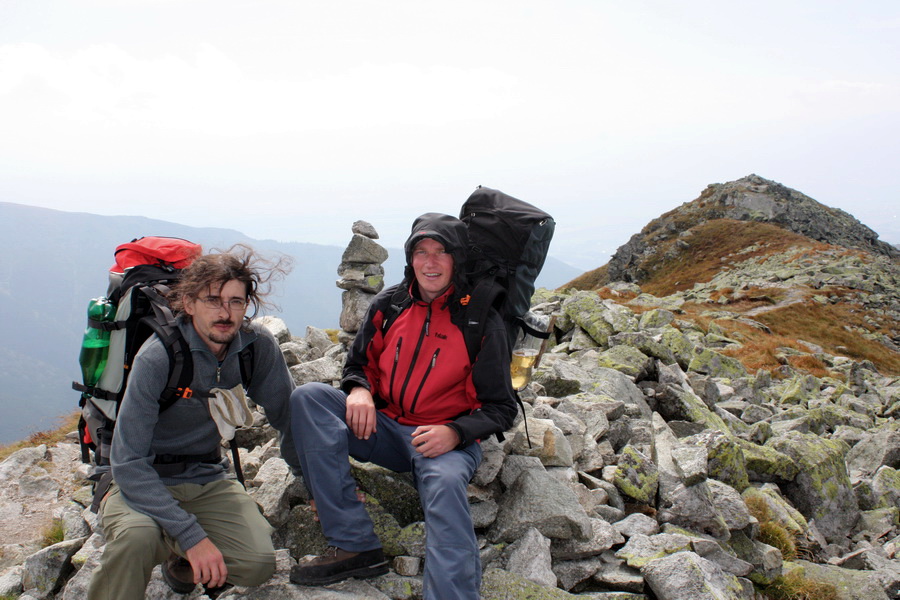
x=419 y=371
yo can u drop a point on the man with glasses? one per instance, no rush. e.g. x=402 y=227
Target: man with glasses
x=172 y=499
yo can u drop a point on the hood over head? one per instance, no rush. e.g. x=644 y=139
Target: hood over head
x=449 y=231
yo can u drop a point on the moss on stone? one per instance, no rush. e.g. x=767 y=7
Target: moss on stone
x=636 y=476
x=586 y=310
x=497 y=584
x=710 y=362
x=766 y=464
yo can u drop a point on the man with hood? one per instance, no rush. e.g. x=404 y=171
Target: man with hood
x=411 y=400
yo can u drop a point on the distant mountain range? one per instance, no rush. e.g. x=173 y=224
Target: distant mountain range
x=56 y=261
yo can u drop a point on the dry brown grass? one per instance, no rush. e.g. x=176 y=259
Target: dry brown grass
x=834 y=327
x=771 y=532
x=591 y=280
x=672 y=270
x=796 y=586
x=838 y=328
x=67 y=424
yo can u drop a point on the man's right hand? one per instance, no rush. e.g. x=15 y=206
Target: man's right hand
x=361 y=413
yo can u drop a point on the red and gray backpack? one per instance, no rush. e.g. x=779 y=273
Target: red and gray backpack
x=139 y=283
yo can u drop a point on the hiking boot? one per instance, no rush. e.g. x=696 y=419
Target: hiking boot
x=215 y=592
x=336 y=564
x=178 y=574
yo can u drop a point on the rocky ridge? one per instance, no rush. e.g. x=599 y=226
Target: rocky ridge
x=648 y=444
x=751 y=198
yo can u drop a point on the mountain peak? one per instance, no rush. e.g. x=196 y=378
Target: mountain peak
x=752 y=199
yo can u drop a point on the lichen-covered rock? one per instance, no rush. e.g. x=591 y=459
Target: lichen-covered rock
x=655 y=318
x=690 y=464
x=883 y=491
x=46 y=570
x=688 y=576
x=394 y=491
x=641 y=549
x=821 y=490
x=766 y=560
x=603 y=537
x=780 y=510
x=880 y=447
x=680 y=403
x=626 y=359
x=678 y=343
x=764 y=464
x=587 y=310
x=364 y=276
x=729 y=505
x=561 y=379
x=538 y=500
x=714 y=364
x=497 y=584
x=647 y=343
x=850 y=584
x=725 y=457
x=636 y=476
x=693 y=508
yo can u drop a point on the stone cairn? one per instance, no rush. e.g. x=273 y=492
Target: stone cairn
x=361 y=276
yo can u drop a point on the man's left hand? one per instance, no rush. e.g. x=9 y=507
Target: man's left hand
x=433 y=440
x=207 y=563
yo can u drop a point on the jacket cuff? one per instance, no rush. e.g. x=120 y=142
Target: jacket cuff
x=190 y=538
x=348 y=383
x=463 y=442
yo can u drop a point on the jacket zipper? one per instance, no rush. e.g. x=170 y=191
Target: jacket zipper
x=396 y=363
x=412 y=407
x=412 y=362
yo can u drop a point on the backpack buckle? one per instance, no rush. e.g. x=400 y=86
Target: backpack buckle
x=186 y=392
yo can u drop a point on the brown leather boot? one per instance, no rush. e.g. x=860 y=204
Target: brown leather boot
x=336 y=564
x=177 y=573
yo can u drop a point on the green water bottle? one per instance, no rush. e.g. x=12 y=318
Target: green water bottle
x=95 y=346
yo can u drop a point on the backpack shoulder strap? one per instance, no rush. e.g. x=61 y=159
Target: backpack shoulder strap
x=181 y=364
x=400 y=301
x=246 y=358
x=486 y=293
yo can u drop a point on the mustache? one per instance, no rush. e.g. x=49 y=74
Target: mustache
x=224 y=322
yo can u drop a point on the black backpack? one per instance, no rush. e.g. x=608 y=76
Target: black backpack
x=139 y=283
x=508 y=244
x=508 y=240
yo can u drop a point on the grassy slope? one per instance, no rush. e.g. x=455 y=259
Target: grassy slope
x=714 y=245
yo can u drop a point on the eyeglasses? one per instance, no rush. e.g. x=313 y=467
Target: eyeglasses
x=216 y=302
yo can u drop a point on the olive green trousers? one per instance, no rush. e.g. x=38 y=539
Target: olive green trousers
x=135 y=543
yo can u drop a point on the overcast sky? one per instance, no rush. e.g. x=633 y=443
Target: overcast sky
x=290 y=119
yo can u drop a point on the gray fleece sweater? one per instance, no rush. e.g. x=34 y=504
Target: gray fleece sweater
x=142 y=432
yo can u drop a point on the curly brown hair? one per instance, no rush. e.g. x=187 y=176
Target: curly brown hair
x=219 y=267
